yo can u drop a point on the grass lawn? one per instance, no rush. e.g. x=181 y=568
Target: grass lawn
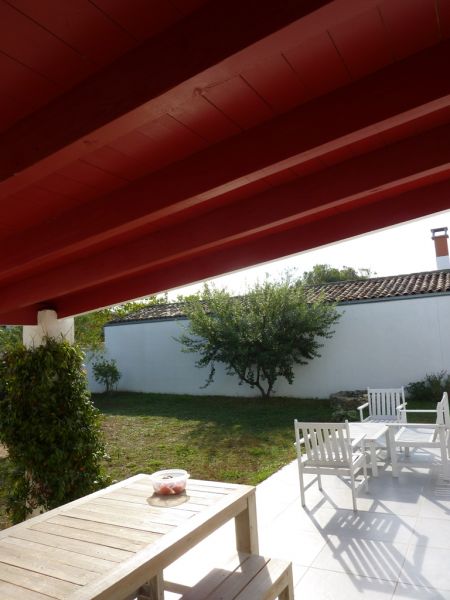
x=227 y=439
x=222 y=438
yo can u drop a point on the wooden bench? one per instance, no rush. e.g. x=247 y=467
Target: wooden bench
x=246 y=577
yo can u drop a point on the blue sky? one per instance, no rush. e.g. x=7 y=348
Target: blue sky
x=405 y=248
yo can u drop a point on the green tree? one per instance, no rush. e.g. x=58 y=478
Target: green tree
x=10 y=335
x=326 y=274
x=258 y=337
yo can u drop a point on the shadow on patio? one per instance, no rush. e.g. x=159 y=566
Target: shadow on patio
x=391 y=549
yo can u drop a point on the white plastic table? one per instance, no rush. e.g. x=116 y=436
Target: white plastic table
x=372 y=432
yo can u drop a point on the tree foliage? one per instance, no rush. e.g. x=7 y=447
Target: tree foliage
x=326 y=274
x=50 y=427
x=9 y=336
x=260 y=336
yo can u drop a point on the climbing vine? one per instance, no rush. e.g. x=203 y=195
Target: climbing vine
x=50 y=427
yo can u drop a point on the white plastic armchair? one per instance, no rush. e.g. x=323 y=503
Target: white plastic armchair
x=383 y=405
x=442 y=405
x=422 y=435
x=326 y=449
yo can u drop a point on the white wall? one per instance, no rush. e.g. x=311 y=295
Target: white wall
x=384 y=344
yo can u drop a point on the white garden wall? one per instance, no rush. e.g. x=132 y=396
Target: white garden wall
x=379 y=344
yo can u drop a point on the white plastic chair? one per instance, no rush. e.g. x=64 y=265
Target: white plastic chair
x=326 y=449
x=423 y=435
x=383 y=404
x=442 y=404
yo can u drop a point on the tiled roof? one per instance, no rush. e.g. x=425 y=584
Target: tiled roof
x=155 y=311
x=376 y=288
x=379 y=288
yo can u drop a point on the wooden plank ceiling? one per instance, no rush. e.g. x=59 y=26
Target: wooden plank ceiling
x=148 y=144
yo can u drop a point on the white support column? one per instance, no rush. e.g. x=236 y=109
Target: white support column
x=48 y=325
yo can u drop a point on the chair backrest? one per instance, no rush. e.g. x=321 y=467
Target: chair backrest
x=325 y=444
x=442 y=410
x=383 y=402
x=445 y=409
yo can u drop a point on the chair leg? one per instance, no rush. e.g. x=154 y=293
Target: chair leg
x=302 y=488
x=366 y=481
x=444 y=457
x=355 y=508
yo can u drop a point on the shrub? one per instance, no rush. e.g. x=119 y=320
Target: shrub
x=50 y=427
x=106 y=373
x=429 y=389
x=342 y=413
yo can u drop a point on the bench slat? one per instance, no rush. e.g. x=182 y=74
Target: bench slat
x=270 y=582
x=246 y=577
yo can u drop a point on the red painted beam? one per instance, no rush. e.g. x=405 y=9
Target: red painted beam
x=411 y=205
x=22 y=316
x=412 y=163
x=212 y=44
x=389 y=102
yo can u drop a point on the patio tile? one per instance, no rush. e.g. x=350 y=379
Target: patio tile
x=301 y=547
x=319 y=584
x=392 y=548
x=298 y=571
x=382 y=560
x=432 y=532
x=427 y=567
x=400 y=503
x=346 y=523
x=435 y=501
x=412 y=592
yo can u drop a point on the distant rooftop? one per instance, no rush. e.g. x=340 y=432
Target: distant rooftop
x=375 y=289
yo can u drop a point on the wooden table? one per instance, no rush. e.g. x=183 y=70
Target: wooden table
x=106 y=545
x=372 y=432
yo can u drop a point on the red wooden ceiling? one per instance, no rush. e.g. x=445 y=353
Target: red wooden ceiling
x=147 y=144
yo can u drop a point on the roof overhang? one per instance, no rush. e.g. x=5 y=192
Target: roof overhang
x=143 y=151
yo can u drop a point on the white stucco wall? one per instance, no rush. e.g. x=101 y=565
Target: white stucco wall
x=379 y=344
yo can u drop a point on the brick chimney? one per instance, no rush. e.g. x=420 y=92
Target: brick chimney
x=440 y=237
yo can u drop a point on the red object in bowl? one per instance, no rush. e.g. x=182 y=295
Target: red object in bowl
x=169 y=482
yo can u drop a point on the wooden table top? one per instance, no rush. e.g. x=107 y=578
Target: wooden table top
x=107 y=544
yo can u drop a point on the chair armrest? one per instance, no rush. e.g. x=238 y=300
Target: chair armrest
x=419 y=410
x=361 y=408
x=401 y=406
x=416 y=425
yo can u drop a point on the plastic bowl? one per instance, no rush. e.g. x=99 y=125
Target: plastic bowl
x=169 y=482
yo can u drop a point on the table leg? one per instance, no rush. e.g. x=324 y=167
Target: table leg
x=153 y=589
x=388 y=446
x=247 y=528
x=392 y=446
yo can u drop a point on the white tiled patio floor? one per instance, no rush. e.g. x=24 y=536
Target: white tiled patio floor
x=396 y=547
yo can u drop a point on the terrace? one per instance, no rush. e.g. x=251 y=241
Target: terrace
x=394 y=547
